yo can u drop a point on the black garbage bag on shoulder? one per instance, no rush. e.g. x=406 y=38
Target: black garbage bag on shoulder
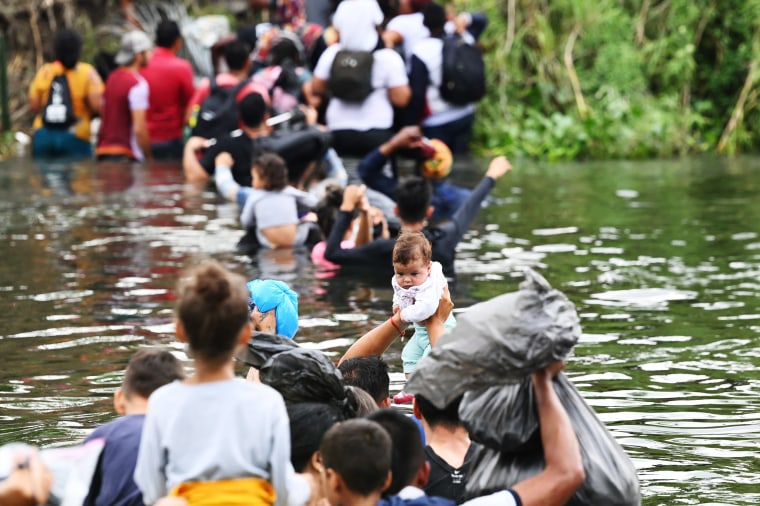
x=499 y=341
x=263 y=346
x=610 y=475
x=488 y=357
x=303 y=375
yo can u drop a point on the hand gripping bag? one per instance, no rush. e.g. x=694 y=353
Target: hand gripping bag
x=488 y=357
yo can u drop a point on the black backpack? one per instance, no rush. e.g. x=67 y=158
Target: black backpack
x=59 y=110
x=218 y=114
x=464 y=71
x=351 y=75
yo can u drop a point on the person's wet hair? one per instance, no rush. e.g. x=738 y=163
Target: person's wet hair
x=212 y=306
x=434 y=18
x=272 y=168
x=328 y=208
x=167 y=33
x=284 y=49
x=149 y=369
x=308 y=423
x=447 y=417
x=413 y=196
x=252 y=108
x=359 y=451
x=410 y=247
x=368 y=373
x=364 y=400
x=408 y=453
x=236 y=54
x=67 y=47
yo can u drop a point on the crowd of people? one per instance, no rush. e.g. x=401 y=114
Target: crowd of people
x=301 y=431
x=298 y=429
x=362 y=84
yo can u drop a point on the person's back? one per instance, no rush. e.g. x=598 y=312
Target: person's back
x=215 y=435
x=85 y=89
x=362 y=125
x=112 y=483
x=123 y=133
x=413 y=196
x=170 y=80
x=235 y=79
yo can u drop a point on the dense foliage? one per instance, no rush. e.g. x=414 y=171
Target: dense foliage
x=620 y=78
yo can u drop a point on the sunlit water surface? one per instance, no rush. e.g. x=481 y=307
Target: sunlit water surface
x=662 y=260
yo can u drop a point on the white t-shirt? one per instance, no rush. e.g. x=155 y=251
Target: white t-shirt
x=430 y=51
x=215 y=431
x=357 y=22
x=417 y=303
x=376 y=111
x=138 y=97
x=412 y=30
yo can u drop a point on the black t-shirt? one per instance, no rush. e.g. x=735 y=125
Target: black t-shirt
x=444 y=480
x=240 y=147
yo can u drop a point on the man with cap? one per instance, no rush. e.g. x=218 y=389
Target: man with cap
x=123 y=134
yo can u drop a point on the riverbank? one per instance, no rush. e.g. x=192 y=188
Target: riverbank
x=607 y=80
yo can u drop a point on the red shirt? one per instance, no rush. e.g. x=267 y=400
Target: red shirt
x=125 y=91
x=171 y=85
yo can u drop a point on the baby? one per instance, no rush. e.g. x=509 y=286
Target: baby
x=418 y=285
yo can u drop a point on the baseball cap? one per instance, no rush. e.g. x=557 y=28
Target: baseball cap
x=132 y=43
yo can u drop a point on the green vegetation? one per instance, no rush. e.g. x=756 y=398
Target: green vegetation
x=586 y=79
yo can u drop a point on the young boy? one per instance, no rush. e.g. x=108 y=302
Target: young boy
x=112 y=483
x=356 y=455
x=418 y=285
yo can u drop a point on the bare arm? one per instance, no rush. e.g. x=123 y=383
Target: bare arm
x=318 y=87
x=95 y=92
x=377 y=340
x=564 y=472
x=194 y=171
x=400 y=95
x=435 y=324
x=140 y=124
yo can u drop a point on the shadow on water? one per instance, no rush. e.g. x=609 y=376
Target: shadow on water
x=660 y=258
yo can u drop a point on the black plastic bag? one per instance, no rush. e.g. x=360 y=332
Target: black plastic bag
x=610 y=475
x=488 y=357
x=303 y=375
x=263 y=346
x=499 y=341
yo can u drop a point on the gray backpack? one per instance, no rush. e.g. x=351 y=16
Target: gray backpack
x=351 y=75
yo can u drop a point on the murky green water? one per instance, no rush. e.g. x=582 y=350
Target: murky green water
x=662 y=260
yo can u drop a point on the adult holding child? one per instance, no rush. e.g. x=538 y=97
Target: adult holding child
x=413 y=207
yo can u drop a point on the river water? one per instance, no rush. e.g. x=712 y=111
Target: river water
x=662 y=260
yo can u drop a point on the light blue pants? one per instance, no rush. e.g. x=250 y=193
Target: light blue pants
x=419 y=345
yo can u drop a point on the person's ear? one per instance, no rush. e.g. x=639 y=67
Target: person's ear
x=429 y=211
x=416 y=410
x=315 y=461
x=119 y=402
x=385 y=403
x=423 y=474
x=389 y=480
x=179 y=329
x=395 y=210
x=245 y=333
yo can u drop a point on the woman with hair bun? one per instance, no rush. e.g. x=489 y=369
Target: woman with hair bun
x=215 y=435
